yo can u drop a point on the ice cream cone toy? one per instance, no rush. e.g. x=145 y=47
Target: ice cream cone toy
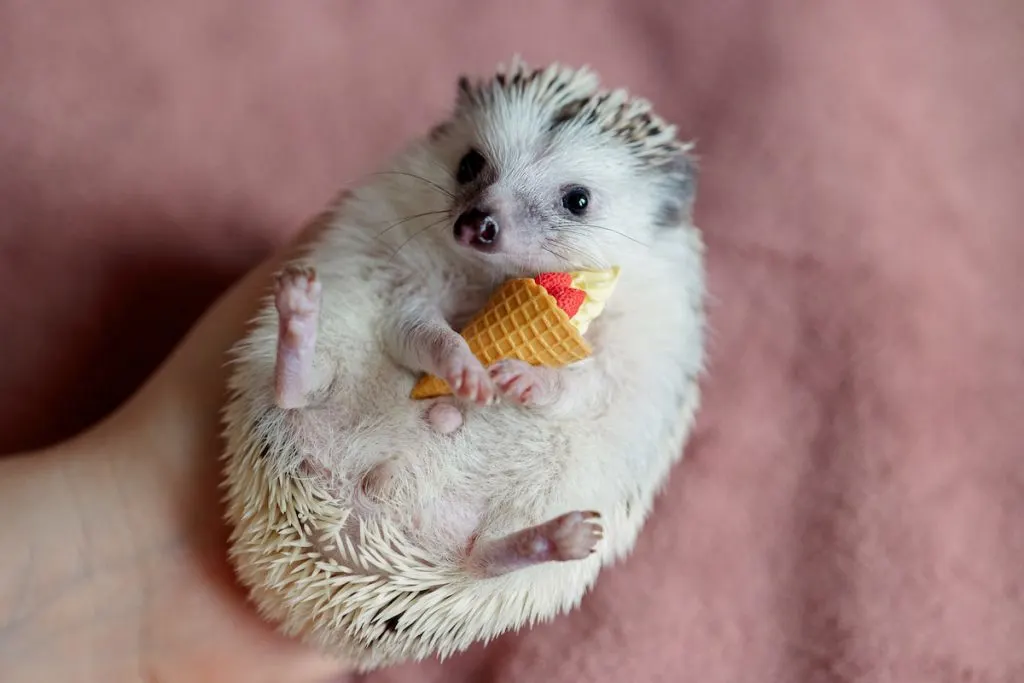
x=538 y=320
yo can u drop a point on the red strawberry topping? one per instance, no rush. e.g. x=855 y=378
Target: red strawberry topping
x=551 y=281
x=569 y=299
x=559 y=285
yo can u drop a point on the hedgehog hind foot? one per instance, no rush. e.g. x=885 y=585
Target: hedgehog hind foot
x=572 y=536
x=297 y=300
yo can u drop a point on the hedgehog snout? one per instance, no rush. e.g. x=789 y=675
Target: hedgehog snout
x=477 y=228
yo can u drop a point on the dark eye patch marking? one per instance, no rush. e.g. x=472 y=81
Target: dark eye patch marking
x=470 y=167
x=567 y=113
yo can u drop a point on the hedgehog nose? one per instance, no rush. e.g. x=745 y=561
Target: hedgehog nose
x=476 y=228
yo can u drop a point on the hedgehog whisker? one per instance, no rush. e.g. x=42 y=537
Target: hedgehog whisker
x=569 y=246
x=441 y=167
x=568 y=225
x=417 y=234
x=434 y=185
x=410 y=218
x=558 y=256
x=593 y=259
x=563 y=251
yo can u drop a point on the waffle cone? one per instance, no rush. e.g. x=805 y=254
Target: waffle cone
x=522 y=321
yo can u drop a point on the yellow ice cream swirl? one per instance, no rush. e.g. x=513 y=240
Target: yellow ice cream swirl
x=598 y=286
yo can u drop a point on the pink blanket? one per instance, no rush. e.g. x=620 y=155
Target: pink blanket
x=852 y=505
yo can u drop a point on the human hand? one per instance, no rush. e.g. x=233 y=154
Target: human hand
x=114 y=565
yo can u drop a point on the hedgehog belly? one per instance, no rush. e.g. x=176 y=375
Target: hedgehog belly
x=362 y=585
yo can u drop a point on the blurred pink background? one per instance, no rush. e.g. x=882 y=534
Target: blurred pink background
x=851 y=506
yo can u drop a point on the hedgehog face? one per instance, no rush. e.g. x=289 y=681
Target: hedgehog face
x=545 y=177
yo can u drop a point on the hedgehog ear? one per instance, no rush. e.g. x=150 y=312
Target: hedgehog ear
x=464 y=92
x=439 y=131
x=679 y=190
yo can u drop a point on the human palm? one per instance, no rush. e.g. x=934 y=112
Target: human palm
x=125 y=576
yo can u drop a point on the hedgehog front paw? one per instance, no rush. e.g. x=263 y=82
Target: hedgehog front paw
x=522 y=383
x=466 y=376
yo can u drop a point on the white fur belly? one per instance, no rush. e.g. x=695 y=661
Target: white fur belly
x=492 y=476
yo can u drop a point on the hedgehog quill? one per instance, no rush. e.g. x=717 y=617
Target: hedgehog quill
x=384 y=528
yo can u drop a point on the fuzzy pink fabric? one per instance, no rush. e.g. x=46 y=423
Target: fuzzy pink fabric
x=852 y=505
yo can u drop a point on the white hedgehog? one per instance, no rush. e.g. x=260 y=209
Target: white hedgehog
x=380 y=535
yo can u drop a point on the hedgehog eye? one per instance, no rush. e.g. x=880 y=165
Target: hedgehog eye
x=576 y=201
x=470 y=166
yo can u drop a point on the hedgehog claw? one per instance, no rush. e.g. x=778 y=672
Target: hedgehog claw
x=522 y=383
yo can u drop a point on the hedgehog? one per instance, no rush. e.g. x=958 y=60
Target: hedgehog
x=381 y=529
